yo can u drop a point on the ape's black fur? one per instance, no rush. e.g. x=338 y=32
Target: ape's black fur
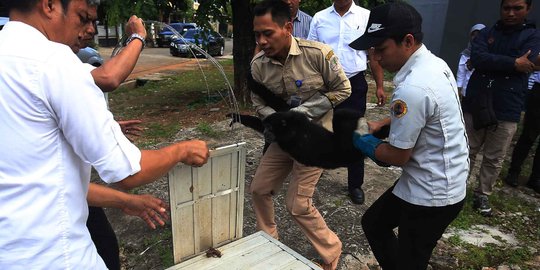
x=313 y=145
x=308 y=143
x=271 y=100
x=268 y=96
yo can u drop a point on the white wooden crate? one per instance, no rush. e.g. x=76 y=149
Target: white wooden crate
x=207 y=203
x=257 y=251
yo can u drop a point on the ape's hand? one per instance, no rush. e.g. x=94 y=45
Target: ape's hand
x=235 y=118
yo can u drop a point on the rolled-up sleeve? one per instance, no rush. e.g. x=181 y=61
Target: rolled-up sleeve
x=89 y=127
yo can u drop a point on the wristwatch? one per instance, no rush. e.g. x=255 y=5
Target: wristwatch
x=136 y=36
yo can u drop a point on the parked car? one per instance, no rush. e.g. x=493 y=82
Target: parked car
x=164 y=37
x=90 y=56
x=211 y=42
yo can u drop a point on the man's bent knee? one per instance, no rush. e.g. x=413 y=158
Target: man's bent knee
x=300 y=205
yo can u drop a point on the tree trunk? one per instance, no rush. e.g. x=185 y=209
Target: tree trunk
x=243 y=46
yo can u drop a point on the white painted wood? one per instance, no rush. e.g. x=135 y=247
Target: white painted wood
x=207 y=203
x=257 y=251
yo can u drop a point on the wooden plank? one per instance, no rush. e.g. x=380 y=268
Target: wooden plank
x=181 y=179
x=298 y=265
x=248 y=258
x=221 y=208
x=276 y=261
x=256 y=251
x=231 y=250
x=240 y=180
x=290 y=251
x=205 y=201
x=205 y=208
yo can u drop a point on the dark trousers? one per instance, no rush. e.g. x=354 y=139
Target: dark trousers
x=357 y=102
x=529 y=134
x=103 y=237
x=419 y=229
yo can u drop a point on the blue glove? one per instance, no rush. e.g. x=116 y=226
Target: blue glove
x=367 y=144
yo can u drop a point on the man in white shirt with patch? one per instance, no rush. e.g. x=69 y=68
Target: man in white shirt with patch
x=54 y=127
x=338 y=26
x=427 y=140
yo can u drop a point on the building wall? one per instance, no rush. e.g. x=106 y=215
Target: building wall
x=433 y=21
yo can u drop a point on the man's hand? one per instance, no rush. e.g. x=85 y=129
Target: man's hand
x=135 y=25
x=195 y=153
x=381 y=96
x=131 y=127
x=522 y=64
x=375 y=126
x=149 y=208
x=469 y=65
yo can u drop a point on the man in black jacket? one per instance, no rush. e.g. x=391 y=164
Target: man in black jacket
x=503 y=55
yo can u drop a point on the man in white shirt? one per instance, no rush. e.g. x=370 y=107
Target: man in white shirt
x=338 y=26
x=55 y=126
x=427 y=140
x=465 y=68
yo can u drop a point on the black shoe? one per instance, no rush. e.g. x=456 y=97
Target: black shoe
x=481 y=203
x=357 y=195
x=512 y=179
x=534 y=184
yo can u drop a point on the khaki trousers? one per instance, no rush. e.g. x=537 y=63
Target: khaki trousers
x=495 y=142
x=274 y=167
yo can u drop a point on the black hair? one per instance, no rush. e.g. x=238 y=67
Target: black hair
x=418 y=37
x=28 y=5
x=280 y=11
x=528 y=2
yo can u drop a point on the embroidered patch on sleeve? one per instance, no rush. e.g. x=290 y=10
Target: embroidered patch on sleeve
x=398 y=108
x=334 y=63
x=329 y=55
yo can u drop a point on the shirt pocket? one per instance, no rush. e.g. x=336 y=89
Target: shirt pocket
x=351 y=35
x=275 y=87
x=307 y=87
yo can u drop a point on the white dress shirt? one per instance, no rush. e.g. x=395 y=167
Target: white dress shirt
x=54 y=127
x=328 y=27
x=427 y=117
x=463 y=74
x=533 y=78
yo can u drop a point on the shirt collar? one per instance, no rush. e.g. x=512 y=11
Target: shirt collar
x=405 y=69
x=352 y=9
x=300 y=16
x=23 y=27
x=295 y=49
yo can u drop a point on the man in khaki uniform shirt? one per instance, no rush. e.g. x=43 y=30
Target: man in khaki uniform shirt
x=309 y=77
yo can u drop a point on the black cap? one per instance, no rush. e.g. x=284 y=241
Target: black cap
x=387 y=21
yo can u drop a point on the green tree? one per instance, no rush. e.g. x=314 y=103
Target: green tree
x=313 y=6
x=244 y=40
x=115 y=12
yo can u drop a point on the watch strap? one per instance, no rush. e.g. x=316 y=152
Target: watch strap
x=136 y=36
